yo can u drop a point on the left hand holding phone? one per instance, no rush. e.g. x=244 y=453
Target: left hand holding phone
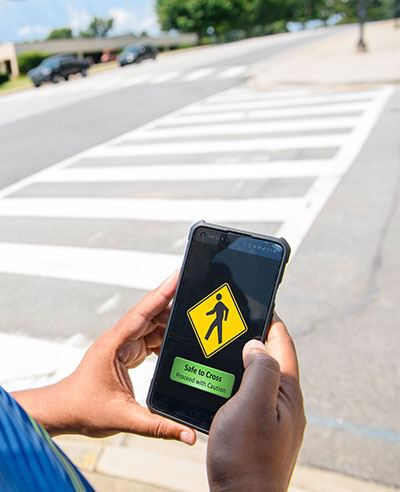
x=98 y=398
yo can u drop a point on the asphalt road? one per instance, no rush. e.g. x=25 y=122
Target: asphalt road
x=84 y=240
x=58 y=121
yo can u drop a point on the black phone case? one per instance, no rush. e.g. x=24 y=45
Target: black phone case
x=202 y=223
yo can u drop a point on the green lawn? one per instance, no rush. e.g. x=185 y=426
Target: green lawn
x=21 y=82
x=102 y=67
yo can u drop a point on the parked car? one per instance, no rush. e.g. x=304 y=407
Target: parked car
x=57 y=66
x=137 y=53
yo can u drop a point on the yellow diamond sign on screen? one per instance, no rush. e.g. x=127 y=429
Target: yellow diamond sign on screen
x=217 y=320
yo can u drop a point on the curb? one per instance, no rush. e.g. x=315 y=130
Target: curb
x=128 y=462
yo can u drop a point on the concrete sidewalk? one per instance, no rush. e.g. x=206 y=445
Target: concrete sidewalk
x=125 y=462
x=335 y=61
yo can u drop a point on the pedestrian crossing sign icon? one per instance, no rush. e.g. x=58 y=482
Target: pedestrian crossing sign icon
x=217 y=320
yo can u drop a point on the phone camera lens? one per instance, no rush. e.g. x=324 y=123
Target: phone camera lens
x=202 y=234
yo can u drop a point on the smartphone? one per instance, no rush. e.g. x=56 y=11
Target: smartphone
x=225 y=297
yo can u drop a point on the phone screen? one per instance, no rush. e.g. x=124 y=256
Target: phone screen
x=224 y=299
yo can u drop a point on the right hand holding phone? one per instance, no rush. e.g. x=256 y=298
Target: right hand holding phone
x=256 y=436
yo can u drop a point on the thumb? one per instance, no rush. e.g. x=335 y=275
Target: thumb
x=147 y=424
x=261 y=379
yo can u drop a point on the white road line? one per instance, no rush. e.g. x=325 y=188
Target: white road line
x=233 y=72
x=346 y=156
x=198 y=74
x=276 y=103
x=252 y=210
x=240 y=94
x=43 y=361
x=165 y=77
x=296 y=228
x=182 y=118
x=23 y=183
x=134 y=269
x=250 y=128
x=263 y=95
x=136 y=80
x=192 y=172
x=48 y=362
x=223 y=146
x=106 y=83
x=179 y=243
x=109 y=304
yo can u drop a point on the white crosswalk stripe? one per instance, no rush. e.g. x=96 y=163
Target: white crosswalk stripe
x=286 y=149
x=192 y=172
x=165 y=77
x=82 y=264
x=256 y=210
x=198 y=74
x=250 y=128
x=222 y=146
x=267 y=114
x=137 y=80
x=232 y=72
x=278 y=102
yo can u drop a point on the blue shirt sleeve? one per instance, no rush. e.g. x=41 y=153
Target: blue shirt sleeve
x=29 y=458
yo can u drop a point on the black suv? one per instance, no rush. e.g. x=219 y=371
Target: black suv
x=55 y=67
x=137 y=53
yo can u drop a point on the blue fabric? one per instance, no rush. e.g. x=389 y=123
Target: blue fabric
x=29 y=459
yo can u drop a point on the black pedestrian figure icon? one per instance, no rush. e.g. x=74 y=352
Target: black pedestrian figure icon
x=221 y=312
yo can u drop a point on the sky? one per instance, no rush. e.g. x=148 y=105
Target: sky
x=28 y=20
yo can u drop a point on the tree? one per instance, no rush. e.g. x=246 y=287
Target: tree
x=258 y=16
x=260 y=13
x=98 y=28
x=62 y=33
x=198 y=15
x=30 y=59
x=222 y=15
x=376 y=9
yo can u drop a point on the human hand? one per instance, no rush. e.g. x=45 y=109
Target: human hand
x=256 y=436
x=98 y=398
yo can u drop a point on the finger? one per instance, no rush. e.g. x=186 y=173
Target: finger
x=147 y=424
x=157 y=301
x=260 y=384
x=154 y=339
x=280 y=346
x=162 y=318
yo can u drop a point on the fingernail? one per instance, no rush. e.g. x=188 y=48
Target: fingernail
x=186 y=437
x=255 y=344
x=170 y=277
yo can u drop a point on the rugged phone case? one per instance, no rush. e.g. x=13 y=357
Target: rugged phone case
x=202 y=223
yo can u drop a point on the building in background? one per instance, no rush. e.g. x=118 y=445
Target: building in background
x=92 y=47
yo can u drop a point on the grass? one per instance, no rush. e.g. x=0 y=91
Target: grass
x=16 y=84
x=103 y=67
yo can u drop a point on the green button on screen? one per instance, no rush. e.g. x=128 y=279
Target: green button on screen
x=202 y=377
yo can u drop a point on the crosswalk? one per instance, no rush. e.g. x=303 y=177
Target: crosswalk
x=136 y=75
x=50 y=96
x=89 y=236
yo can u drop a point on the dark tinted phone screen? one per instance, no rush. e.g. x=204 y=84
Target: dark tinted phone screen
x=223 y=301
